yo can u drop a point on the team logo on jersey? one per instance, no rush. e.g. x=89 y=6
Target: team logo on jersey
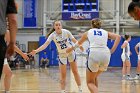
x=62 y=43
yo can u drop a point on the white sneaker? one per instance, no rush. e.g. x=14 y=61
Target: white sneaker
x=63 y=91
x=137 y=77
x=129 y=78
x=7 y=92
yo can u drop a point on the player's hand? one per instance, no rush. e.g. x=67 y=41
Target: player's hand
x=10 y=50
x=25 y=57
x=32 y=53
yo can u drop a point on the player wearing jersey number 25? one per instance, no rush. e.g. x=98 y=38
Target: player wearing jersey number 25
x=63 y=39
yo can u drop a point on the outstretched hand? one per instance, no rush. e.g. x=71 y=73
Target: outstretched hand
x=25 y=57
x=10 y=50
x=32 y=53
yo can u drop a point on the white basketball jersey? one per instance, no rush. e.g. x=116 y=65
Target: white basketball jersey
x=97 y=37
x=62 y=41
x=138 y=47
x=126 y=50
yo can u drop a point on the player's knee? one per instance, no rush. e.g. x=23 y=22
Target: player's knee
x=129 y=65
x=89 y=84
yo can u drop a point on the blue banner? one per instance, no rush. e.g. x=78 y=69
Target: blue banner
x=29 y=13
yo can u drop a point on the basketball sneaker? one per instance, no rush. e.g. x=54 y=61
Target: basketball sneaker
x=80 y=91
x=128 y=77
x=137 y=77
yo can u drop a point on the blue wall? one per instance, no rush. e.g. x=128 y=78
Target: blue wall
x=115 y=57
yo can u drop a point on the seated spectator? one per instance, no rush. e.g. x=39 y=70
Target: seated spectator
x=44 y=61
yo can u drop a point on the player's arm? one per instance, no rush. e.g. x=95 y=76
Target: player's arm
x=124 y=45
x=136 y=49
x=74 y=41
x=83 y=38
x=24 y=55
x=117 y=39
x=40 y=48
x=50 y=38
x=71 y=37
x=12 y=27
x=7 y=38
x=11 y=12
x=77 y=44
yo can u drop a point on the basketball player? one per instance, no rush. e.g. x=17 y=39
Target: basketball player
x=7 y=10
x=134 y=9
x=137 y=49
x=63 y=39
x=6 y=69
x=99 y=55
x=126 y=57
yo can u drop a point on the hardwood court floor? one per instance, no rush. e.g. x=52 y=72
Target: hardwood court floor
x=47 y=81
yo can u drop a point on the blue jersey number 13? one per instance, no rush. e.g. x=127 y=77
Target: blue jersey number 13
x=99 y=33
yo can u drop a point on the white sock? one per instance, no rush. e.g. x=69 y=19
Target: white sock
x=63 y=91
x=7 y=91
x=80 y=88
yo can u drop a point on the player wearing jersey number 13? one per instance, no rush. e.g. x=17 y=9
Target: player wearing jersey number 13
x=99 y=55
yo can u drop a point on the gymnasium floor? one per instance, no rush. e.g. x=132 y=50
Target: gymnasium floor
x=47 y=81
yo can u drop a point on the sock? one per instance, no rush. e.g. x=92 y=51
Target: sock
x=123 y=75
x=79 y=87
x=62 y=91
x=7 y=91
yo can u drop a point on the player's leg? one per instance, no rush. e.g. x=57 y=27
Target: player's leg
x=8 y=76
x=63 y=69
x=74 y=68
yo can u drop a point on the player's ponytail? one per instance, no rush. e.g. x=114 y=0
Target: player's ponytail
x=126 y=37
x=96 y=23
x=51 y=31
